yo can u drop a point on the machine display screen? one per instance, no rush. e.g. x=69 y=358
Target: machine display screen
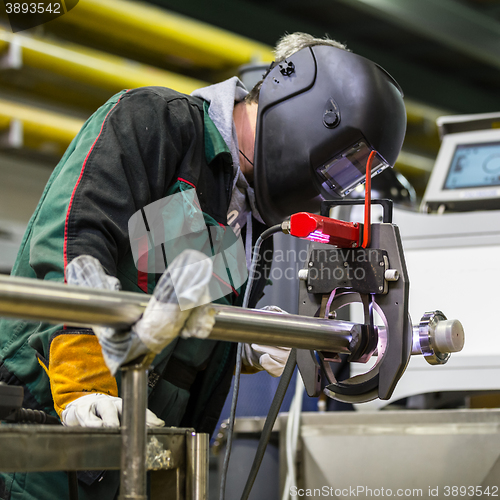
x=474 y=165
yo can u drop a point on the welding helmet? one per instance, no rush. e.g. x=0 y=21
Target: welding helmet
x=321 y=112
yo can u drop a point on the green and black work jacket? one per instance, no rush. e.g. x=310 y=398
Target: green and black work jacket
x=140 y=146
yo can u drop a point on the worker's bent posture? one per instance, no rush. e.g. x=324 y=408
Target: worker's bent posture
x=307 y=128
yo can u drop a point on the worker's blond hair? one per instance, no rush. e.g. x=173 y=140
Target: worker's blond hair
x=293 y=42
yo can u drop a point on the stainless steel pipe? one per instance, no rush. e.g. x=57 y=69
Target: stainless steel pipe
x=133 y=480
x=58 y=303
x=261 y=327
x=197 y=466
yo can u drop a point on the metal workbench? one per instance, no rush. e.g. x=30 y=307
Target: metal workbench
x=177 y=458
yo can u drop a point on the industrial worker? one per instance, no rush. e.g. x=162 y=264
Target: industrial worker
x=252 y=159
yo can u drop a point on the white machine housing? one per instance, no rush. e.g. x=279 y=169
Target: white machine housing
x=453 y=261
x=466 y=175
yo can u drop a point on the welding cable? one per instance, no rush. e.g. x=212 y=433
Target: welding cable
x=367 y=230
x=292 y=435
x=237 y=372
x=269 y=423
x=30 y=416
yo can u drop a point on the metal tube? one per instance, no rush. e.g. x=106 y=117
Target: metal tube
x=197 y=466
x=133 y=485
x=71 y=305
x=253 y=326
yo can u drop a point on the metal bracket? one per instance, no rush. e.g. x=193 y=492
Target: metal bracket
x=394 y=341
x=309 y=371
x=361 y=270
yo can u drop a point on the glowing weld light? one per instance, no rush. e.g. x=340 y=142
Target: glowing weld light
x=319 y=237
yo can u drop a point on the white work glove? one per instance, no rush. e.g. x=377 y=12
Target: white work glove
x=181 y=288
x=170 y=311
x=265 y=357
x=100 y=410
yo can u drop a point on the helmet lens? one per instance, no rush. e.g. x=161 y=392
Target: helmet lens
x=341 y=174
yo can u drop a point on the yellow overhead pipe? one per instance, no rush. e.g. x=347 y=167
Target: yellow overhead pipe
x=413 y=164
x=418 y=112
x=42 y=130
x=93 y=67
x=160 y=32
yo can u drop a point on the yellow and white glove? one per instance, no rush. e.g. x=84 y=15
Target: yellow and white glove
x=100 y=410
x=82 y=365
x=265 y=357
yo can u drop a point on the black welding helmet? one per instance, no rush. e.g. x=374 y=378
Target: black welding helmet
x=321 y=112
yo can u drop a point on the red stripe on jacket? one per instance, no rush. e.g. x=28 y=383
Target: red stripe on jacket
x=65 y=247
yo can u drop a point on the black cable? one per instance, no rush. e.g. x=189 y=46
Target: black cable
x=237 y=371
x=232 y=415
x=29 y=416
x=255 y=257
x=270 y=419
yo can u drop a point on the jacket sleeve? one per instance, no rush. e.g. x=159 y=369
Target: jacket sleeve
x=123 y=159
x=134 y=159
